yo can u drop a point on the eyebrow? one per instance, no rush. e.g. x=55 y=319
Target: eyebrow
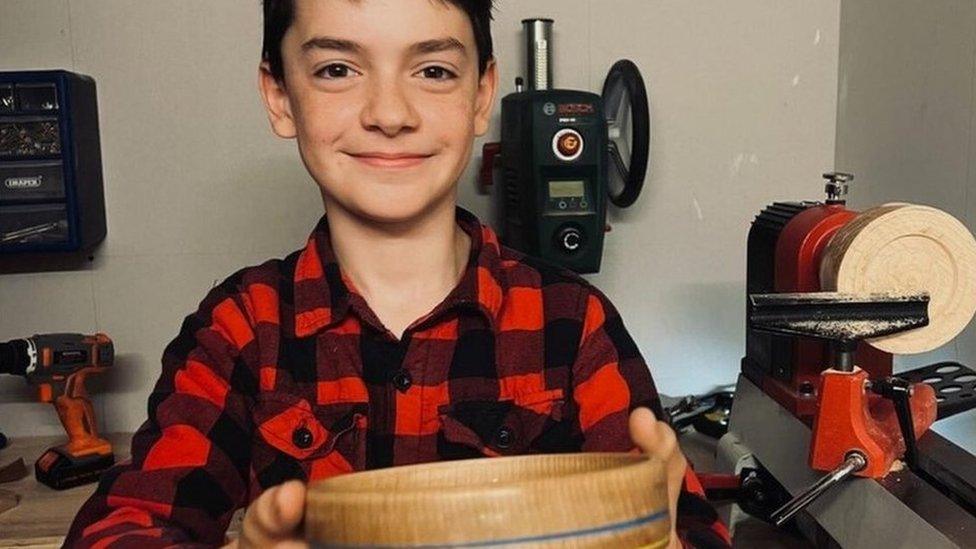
x=343 y=45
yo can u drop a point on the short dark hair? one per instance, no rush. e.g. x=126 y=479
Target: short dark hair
x=278 y=16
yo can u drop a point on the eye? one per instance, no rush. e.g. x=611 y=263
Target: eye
x=334 y=71
x=438 y=73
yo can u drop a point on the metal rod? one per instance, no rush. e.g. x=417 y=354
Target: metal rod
x=538 y=36
x=28 y=231
x=899 y=392
x=911 y=447
x=855 y=462
x=843 y=354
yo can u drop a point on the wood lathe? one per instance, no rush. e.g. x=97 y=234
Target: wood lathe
x=828 y=439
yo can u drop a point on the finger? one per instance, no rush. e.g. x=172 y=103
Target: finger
x=274 y=515
x=260 y=527
x=667 y=441
x=642 y=429
x=645 y=431
x=656 y=438
x=291 y=505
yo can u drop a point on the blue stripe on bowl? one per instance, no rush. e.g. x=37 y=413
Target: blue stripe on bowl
x=607 y=528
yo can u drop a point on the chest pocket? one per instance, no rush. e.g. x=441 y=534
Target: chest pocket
x=530 y=424
x=299 y=440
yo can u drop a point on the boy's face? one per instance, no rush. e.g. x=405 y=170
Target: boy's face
x=384 y=98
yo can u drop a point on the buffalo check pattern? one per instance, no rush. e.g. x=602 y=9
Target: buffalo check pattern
x=284 y=372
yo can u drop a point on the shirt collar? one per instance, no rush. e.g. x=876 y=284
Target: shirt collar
x=323 y=294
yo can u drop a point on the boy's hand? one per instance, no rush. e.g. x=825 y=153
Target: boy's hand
x=273 y=519
x=655 y=438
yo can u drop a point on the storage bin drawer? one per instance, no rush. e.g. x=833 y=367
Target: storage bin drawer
x=26 y=138
x=31 y=181
x=43 y=224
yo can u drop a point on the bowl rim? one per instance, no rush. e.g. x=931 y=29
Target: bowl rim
x=351 y=491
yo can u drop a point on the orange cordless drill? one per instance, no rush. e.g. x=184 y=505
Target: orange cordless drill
x=57 y=365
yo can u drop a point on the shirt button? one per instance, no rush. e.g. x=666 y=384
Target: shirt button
x=402 y=380
x=302 y=437
x=504 y=438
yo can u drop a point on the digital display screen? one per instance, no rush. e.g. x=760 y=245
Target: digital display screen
x=566 y=189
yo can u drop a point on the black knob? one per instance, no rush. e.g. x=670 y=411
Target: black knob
x=569 y=239
x=837 y=187
x=838 y=177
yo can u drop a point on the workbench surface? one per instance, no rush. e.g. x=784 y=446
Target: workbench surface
x=43 y=516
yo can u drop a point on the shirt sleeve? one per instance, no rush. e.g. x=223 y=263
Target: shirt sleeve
x=611 y=379
x=190 y=460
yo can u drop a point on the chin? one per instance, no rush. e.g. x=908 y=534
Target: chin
x=391 y=208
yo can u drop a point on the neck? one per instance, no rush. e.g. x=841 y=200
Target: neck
x=401 y=269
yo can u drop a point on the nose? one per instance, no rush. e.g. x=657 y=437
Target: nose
x=388 y=108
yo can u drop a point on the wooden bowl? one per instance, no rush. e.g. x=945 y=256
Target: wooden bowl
x=906 y=249
x=564 y=500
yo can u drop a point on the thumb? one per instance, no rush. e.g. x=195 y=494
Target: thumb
x=290 y=505
x=653 y=437
x=656 y=438
x=274 y=516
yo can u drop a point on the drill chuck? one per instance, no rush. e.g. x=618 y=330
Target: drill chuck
x=15 y=357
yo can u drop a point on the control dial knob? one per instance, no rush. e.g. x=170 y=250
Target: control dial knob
x=569 y=239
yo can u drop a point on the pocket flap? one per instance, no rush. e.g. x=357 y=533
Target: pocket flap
x=507 y=427
x=292 y=426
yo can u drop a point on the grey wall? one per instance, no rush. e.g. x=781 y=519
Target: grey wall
x=905 y=121
x=744 y=100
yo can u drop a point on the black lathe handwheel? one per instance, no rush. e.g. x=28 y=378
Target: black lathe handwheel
x=628 y=117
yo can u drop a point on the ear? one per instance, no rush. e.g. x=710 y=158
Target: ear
x=277 y=102
x=485 y=102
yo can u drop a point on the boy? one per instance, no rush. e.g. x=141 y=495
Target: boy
x=402 y=332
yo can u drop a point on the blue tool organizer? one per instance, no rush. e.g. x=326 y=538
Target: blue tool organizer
x=51 y=193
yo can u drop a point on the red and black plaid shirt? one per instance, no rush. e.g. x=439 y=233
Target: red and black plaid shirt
x=284 y=372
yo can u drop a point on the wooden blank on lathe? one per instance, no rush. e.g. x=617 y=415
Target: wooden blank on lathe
x=564 y=500
x=907 y=248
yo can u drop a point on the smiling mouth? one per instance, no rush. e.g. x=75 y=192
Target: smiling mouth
x=397 y=161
